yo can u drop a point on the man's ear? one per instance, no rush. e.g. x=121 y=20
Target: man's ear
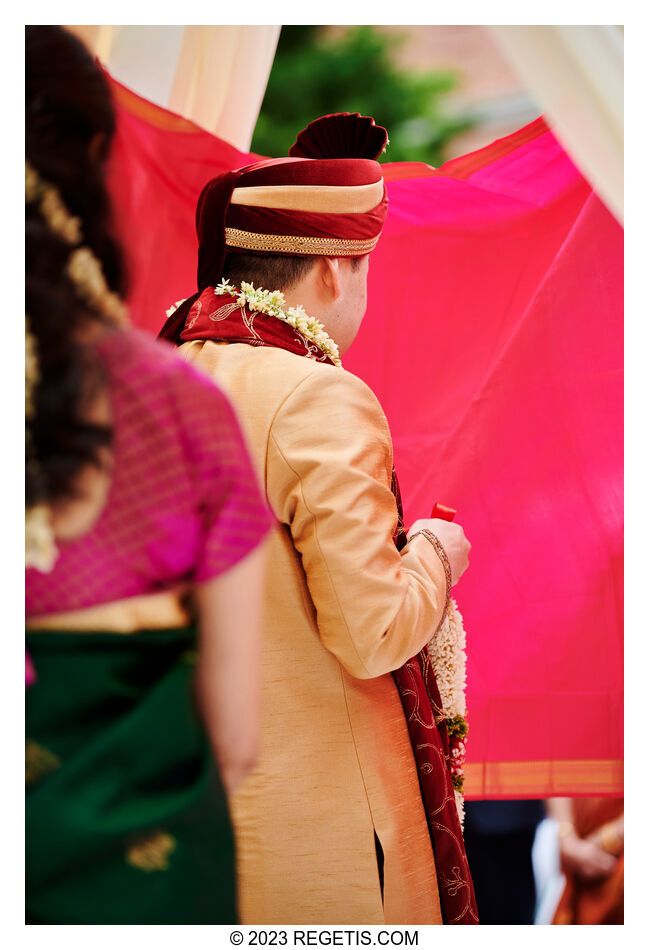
x=330 y=278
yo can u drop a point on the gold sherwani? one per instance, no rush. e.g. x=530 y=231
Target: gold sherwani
x=342 y=609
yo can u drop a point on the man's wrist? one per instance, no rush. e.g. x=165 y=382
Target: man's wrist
x=441 y=553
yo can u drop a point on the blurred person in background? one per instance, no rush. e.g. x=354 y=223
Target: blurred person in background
x=499 y=836
x=350 y=815
x=591 y=849
x=130 y=513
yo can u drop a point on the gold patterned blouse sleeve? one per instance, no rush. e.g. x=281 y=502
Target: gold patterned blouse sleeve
x=329 y=466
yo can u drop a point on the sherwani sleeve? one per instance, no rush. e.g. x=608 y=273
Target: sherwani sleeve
x=328 y=474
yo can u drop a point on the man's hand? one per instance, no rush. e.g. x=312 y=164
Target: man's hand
x=452 y=539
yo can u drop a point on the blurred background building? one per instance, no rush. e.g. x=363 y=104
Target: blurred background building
x=441 y=91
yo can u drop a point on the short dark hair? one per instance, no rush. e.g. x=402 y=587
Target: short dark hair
x=270 y=271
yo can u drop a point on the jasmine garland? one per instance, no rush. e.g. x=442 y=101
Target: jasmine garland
x=272 y=302
x=447 y=654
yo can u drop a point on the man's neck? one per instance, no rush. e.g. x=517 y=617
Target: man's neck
x=302 y=295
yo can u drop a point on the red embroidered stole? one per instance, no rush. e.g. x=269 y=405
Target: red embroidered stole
x=216 y=317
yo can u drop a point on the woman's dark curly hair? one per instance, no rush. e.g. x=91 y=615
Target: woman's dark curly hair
x=70 y=123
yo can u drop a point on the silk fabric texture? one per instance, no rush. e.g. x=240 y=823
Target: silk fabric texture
x=126 y=818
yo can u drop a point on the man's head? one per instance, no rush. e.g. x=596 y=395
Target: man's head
x=304 y=224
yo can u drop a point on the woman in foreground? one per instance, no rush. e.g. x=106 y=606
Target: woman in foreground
x=136 y=523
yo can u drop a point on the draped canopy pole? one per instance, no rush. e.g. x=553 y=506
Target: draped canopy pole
x=577 y=74
x=215 y=76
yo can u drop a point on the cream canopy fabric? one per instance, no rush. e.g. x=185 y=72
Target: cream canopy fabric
x=214 y=75
x=577 y=74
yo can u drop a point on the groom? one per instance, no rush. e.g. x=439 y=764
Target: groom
x=349 y=815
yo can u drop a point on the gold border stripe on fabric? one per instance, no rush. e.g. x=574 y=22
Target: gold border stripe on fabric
x=150 y=112
x=566 y=777
x=321 y=199
x=161 y=611
x=291 y=244
x=466 y=165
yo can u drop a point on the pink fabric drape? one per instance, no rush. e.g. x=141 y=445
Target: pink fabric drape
x=493 y=339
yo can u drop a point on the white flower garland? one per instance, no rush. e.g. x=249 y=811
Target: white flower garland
x=448 y=657
x=272 y=302
x=172 y=309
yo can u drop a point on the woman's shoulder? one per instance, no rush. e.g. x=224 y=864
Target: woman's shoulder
x=129 y=349
x=136 y=358
x=155 y=392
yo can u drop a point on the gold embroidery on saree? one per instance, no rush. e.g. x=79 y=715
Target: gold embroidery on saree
x=39 y=762
x=150 y=852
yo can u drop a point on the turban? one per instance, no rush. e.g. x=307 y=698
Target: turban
x=326 y=199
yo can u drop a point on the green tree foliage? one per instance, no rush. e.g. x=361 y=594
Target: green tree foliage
x=314 y=74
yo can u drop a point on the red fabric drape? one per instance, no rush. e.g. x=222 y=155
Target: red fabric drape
x=493 y=339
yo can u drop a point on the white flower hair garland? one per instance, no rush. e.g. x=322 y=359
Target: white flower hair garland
x=87 y=276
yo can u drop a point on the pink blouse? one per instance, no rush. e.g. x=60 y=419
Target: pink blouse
x=184 y=503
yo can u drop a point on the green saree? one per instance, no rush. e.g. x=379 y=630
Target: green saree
x=126 y=818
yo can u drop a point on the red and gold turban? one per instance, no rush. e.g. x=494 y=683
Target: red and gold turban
x=327 y=199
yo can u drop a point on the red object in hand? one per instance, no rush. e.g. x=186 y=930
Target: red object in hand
x=443 y=512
